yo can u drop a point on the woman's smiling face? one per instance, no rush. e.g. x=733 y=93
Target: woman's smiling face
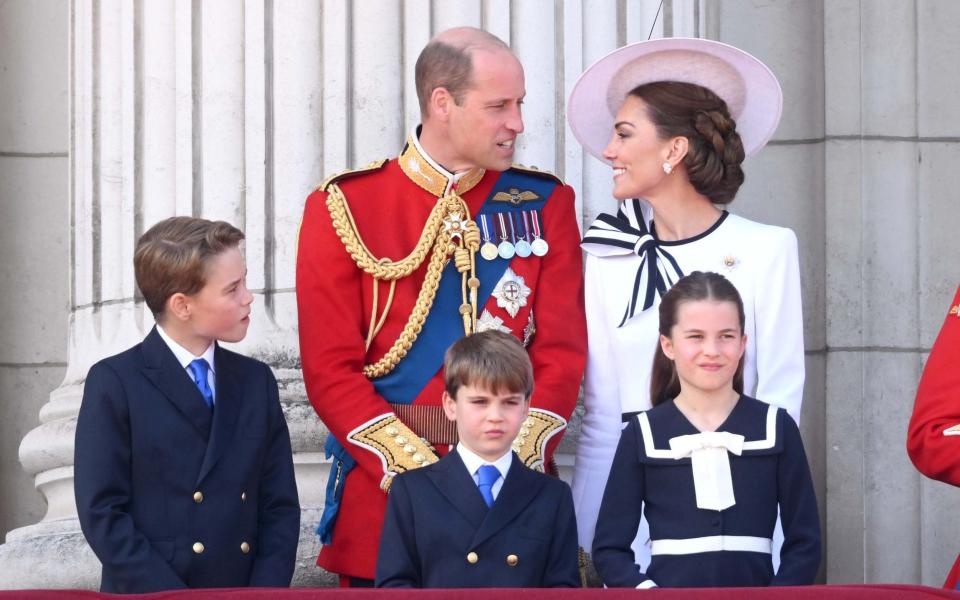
x=636 y=152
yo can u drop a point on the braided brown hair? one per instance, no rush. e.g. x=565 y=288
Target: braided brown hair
x=696 y=113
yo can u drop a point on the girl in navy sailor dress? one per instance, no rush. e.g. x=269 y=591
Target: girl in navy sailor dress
x=707 y=466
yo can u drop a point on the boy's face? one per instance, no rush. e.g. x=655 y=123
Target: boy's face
x=221 y=309
x=487 y=422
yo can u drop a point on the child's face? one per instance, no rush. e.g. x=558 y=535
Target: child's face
x=221 y=309
x=705 y=344
x=487 y=422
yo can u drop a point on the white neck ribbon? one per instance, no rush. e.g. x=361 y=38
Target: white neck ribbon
x=710 y=460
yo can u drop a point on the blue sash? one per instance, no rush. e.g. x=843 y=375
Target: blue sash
x=443 y=327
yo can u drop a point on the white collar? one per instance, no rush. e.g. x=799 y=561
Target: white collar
x=184 y=356
x=474 y=462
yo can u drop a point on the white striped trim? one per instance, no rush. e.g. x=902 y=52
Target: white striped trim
x=648 y=446
x=646 y=584
x=712 y=543
x=771 y=433
x=764 y=444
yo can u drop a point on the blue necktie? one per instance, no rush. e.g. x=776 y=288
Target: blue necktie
x=487 y=475
x=199 y=368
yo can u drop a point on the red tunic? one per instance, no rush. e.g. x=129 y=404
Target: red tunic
x=933 y=439
x=335 y=300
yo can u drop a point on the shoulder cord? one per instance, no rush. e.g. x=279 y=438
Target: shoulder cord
x=448 y=230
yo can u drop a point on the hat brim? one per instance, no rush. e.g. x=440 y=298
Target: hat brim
x=748 y=86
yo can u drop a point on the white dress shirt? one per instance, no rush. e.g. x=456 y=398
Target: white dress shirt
x=185 y=357
x=474 y=462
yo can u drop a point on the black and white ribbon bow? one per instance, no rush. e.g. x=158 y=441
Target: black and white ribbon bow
x=627 y=233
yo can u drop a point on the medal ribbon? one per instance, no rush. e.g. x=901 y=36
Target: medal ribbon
x=503 y=227
x=535 y=221
x=485 y=227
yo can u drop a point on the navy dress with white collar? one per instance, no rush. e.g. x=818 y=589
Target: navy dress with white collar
x=696 y=547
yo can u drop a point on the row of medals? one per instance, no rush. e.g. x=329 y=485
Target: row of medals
x=514 y=229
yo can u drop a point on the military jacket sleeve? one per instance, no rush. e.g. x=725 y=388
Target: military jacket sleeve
x=933 y=439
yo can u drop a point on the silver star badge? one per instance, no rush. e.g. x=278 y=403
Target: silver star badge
x=488 y=322
x=511 y=292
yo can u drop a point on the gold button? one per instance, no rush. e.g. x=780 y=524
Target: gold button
x=198 y=497
x=401 y=439
x=512 y=560
x=417 y=457
x=197 y=548
x=472 y=558
x=245 y=547
x=243 y=496
x=391 y=430
x=409 y=448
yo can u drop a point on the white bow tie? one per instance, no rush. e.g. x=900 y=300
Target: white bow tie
x=710 y=460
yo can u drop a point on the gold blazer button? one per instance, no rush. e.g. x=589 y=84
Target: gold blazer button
x=245 y=547
x=472 y=558
x=512 y=560
x=197 y=548
x=243 y=496
x=198 y=497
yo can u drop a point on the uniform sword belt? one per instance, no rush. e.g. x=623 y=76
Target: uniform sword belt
x=428 y=422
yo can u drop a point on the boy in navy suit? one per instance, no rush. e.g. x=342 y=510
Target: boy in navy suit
x=479 y=517
x=183 y=468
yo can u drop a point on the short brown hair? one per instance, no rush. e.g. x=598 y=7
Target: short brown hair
x=491 y=359
x=172 y=257
x=450 y=64
x=696 y=113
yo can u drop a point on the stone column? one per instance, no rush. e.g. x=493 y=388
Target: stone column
x=891 y=222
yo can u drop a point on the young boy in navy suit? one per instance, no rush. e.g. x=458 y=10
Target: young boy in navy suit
x=183 y=469
x=479 y=517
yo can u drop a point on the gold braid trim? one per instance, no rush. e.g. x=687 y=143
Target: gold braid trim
x=536 y=430
x=437 y=237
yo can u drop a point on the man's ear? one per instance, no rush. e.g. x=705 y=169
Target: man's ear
x=441 y=103
x=449 y=406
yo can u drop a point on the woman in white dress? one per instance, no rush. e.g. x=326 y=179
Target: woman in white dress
x=674 y=118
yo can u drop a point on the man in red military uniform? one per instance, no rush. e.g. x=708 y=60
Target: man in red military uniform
x=399 y=259
x=933 y=440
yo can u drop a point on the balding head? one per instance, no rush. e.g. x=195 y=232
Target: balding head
x=447 y=62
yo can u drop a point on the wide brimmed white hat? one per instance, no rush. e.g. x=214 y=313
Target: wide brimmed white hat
x=748 y=86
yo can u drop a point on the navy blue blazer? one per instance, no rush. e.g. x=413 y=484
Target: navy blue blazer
x=439 y=533
x=172 y=496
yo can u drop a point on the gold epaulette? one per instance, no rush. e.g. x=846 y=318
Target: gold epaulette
x=374 y=166
x=536 y=431
x=537 y=172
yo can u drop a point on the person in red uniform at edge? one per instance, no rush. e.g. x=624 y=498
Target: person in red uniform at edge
x=933 y=439
x=399 y=259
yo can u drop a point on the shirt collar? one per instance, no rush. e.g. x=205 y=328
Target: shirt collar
x=430 y=175
x=474 y=462
x=184 y=356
